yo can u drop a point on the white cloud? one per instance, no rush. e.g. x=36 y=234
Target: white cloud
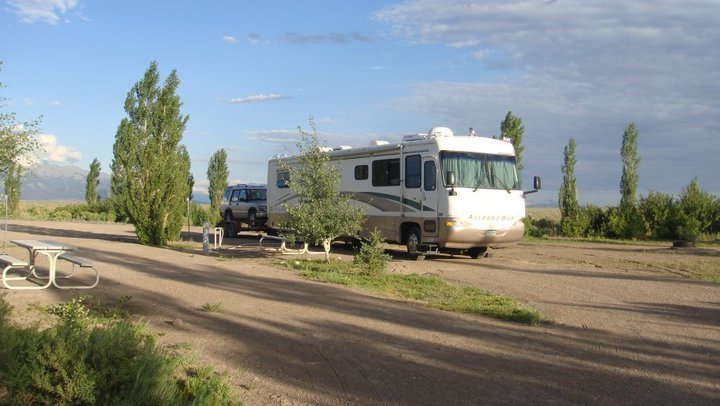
x=28 y=101
x=258 y=98
x=45 y=11
x=229 y=39
x=53 y=152
x=580 y=69
x=55 y=103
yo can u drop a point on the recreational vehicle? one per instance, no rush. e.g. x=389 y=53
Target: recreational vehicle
x=434 y=192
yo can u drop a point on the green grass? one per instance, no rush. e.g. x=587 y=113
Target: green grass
x=216 y=307
x=431 y=291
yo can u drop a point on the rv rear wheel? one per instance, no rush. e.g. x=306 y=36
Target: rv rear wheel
x=476 y=252
x=412 y=243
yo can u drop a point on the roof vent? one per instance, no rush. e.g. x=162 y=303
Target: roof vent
x=378 y=142
x=414 y=137
x=342 y=148
x=440 y=132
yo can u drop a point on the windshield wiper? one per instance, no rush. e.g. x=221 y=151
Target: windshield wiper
x=480 y=181
x=507 y=189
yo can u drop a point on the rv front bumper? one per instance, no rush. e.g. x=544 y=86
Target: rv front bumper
x=464 y=235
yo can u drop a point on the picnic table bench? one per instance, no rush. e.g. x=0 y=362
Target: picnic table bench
x=54 y=251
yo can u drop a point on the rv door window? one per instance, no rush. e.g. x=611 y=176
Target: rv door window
x=282 y=179
x=430 y=179
x=412 y=171
x=386 y=172
x=361 y=172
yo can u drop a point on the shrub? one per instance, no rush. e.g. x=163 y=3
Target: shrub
x=77 y=362
x=575 y=224
x=597 y=221
x=199 y=215
x=372 y=256
x=530 y=229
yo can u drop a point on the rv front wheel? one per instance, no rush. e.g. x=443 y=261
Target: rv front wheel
x=412 y=243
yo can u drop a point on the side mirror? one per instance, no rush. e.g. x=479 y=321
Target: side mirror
x=450 y=180
x=537 y=184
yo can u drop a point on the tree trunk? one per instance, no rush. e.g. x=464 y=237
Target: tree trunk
x=326 y=247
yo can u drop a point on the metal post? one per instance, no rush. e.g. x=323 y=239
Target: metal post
x=206 y=238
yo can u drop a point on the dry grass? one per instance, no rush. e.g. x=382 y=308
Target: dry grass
x=550 y=213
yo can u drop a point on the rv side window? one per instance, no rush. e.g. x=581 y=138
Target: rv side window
x=361 y=172
x=282 y=179
x=430 y=180
x=386 y=172
x=412 y=171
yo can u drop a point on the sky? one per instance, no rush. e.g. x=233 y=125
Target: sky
x=251 y=72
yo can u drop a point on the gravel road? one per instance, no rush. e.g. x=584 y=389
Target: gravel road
x=624 y=323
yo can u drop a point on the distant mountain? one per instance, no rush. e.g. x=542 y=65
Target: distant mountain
x=49 y=181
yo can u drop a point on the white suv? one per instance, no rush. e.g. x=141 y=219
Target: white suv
x=245 y=203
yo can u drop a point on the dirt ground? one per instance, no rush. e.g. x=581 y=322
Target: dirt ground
x=625 y=324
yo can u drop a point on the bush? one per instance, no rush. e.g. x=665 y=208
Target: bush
x=372 y=256
x=530 y=229
x=199 y=215
x=575 y=224
x=597 y=221
x=77 y=362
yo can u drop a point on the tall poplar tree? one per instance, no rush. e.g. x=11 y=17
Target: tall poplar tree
x=217 y=174
x=92 y=183
x=626 y=221
x=573 y=221
x=513 y=129
x=150 y=166
x=631 y=163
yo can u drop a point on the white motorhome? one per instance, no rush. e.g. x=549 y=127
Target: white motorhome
x=433 y=192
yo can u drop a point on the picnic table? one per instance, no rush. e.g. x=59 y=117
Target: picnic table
x=54 y=251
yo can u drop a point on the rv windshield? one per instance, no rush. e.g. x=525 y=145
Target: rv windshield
x=480 y=171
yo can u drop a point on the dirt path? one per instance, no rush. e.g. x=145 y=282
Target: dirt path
x=625 y=329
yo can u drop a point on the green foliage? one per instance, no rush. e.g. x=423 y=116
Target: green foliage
x=630 y=177
x=372 y=257
x=102 y=211
x=92 y=183
x=512 y=128
x=199 y=215
x=13 y=179
x=150 y=166
x=699 y=206
x=431 y=290
x=18 y=144
x=75 y=362
x=321 y=213
x=597 y=221
x=574 y=222
x=218 y=178
x=661 y=215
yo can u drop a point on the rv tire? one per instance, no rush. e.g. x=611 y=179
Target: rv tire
x=412 y=242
